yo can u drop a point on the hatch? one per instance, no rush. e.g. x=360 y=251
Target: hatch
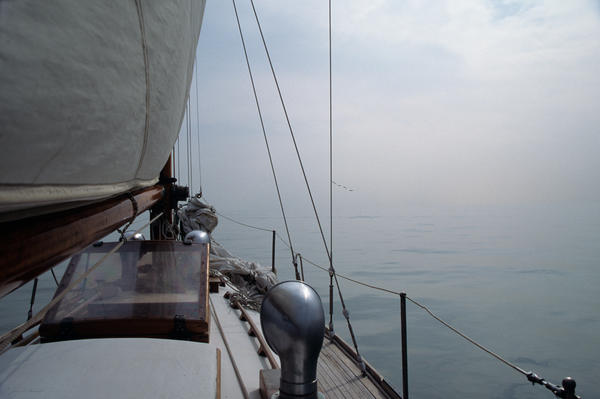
x=145 y=289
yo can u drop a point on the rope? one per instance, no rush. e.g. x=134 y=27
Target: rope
x=500 y=358
x=178 y=156
x=287 y=118
x=263 y=125
x=188 y=146
x=353 y=280
x=198 y=129
x=33 y=291
x=8 y=338
x=330 y=184
x=426 y=309
x=327 y=250
x=54 y=275
x=244 y=224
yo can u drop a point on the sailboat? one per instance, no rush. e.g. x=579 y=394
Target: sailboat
x=92 y=99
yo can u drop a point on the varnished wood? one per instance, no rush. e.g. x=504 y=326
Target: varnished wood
x=163 y=206
x=374 y=381
x=340 y=378
x=255 y=332
x=31 y=246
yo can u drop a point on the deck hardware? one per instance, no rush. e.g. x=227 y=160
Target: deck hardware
x=293 y=323
x=251 y=332
x=404 y=345
x=299 y=275
x=196 y=237
x=180 y=330
x=65 y=331
x=295 y=263
x=178 y=193
x=567 y=391
x=131 y=235
x=164 y=180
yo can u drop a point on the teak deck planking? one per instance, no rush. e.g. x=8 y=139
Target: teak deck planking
x=340 y=378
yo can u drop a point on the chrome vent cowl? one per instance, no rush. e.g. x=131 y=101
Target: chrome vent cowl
x=293 y=324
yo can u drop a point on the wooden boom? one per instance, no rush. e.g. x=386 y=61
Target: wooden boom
x=31 y=246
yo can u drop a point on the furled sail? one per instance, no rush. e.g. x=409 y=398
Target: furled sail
x=92 y=95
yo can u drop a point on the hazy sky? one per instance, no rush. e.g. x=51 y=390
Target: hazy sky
x=435 y=103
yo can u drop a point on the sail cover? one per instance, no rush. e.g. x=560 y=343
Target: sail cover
x=92 y=95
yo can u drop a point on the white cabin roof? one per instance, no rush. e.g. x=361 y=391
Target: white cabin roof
x=105 y=368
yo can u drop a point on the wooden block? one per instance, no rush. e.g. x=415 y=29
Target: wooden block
x=269 y=382
x=261 y=351
x=251 y=332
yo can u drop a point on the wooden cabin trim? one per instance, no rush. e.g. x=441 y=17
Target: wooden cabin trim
x=31 y=246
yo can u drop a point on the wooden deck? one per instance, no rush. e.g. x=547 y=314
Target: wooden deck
x=340 y=378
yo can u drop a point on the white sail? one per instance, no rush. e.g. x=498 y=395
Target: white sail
x=92 y=95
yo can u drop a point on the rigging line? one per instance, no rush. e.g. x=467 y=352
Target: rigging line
x=353 y=280
x=198 y=128
x=426 y=309
x=7 y=339
x=178 y=156
x=54 y=275
x=173 y=163
x=189 y=148
x=330 y=184
x=342 y=275
x=330 y=150
x=472 y=341
x=345 y=312
x=190 y=144
x=263 y=130
x=287 y=118
x=33 y=291
x=243 y=224
x=187 y=141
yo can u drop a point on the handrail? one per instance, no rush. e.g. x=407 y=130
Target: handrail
x=255 y=332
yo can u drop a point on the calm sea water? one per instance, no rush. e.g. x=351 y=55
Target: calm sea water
x=524 y=281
